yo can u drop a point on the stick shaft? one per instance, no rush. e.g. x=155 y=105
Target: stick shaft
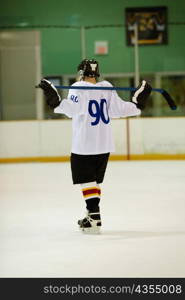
x=164 y=93
x=102 y=88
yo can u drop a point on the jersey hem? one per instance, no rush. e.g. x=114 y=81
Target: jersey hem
x=90 y=153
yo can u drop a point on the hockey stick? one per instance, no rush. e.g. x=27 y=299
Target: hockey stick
x=164 y=93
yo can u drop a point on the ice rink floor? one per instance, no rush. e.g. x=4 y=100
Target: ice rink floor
x=143 y=215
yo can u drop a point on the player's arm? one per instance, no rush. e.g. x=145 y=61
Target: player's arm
x=120 y=108
x=70 y=106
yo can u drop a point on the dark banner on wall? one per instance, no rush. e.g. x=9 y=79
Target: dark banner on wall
x=151 y=22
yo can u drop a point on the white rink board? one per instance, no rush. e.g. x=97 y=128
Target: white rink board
x=52 y=138
x=157 y=135
x=19 y=139
x=55 y=138
x=47 y=138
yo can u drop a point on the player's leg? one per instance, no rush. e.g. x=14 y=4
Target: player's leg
x=101 y=166
x=91 y=192
x=83 y=169
x=92 y=221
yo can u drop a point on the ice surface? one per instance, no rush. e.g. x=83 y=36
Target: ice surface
x=143 y=216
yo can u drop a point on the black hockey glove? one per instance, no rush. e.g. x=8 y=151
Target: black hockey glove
x=141 y=94
x=50 y=92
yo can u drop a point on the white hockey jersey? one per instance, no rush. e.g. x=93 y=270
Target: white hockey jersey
x=91 y=112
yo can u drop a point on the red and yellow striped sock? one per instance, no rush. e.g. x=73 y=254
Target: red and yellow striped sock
x=91 y=192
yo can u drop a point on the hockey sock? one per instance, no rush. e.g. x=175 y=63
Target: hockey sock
x=91 y=192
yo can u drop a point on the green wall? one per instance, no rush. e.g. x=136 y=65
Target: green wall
x=61 y=49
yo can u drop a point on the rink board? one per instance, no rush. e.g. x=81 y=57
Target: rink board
x=50 y=140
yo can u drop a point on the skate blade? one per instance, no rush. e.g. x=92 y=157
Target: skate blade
x=91 y=230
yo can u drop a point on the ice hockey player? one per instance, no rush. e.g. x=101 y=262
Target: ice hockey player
x=91 y=111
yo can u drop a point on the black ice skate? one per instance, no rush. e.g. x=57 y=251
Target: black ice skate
x=91 y=223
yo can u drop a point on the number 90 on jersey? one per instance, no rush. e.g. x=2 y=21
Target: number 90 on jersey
x=98 y=111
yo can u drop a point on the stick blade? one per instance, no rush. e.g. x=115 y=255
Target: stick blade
x=169 y=99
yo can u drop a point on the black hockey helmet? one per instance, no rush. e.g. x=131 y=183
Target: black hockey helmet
x=88 y=67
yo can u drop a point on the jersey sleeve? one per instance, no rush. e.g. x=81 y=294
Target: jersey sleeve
x=119 y=108
x=70 y=106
